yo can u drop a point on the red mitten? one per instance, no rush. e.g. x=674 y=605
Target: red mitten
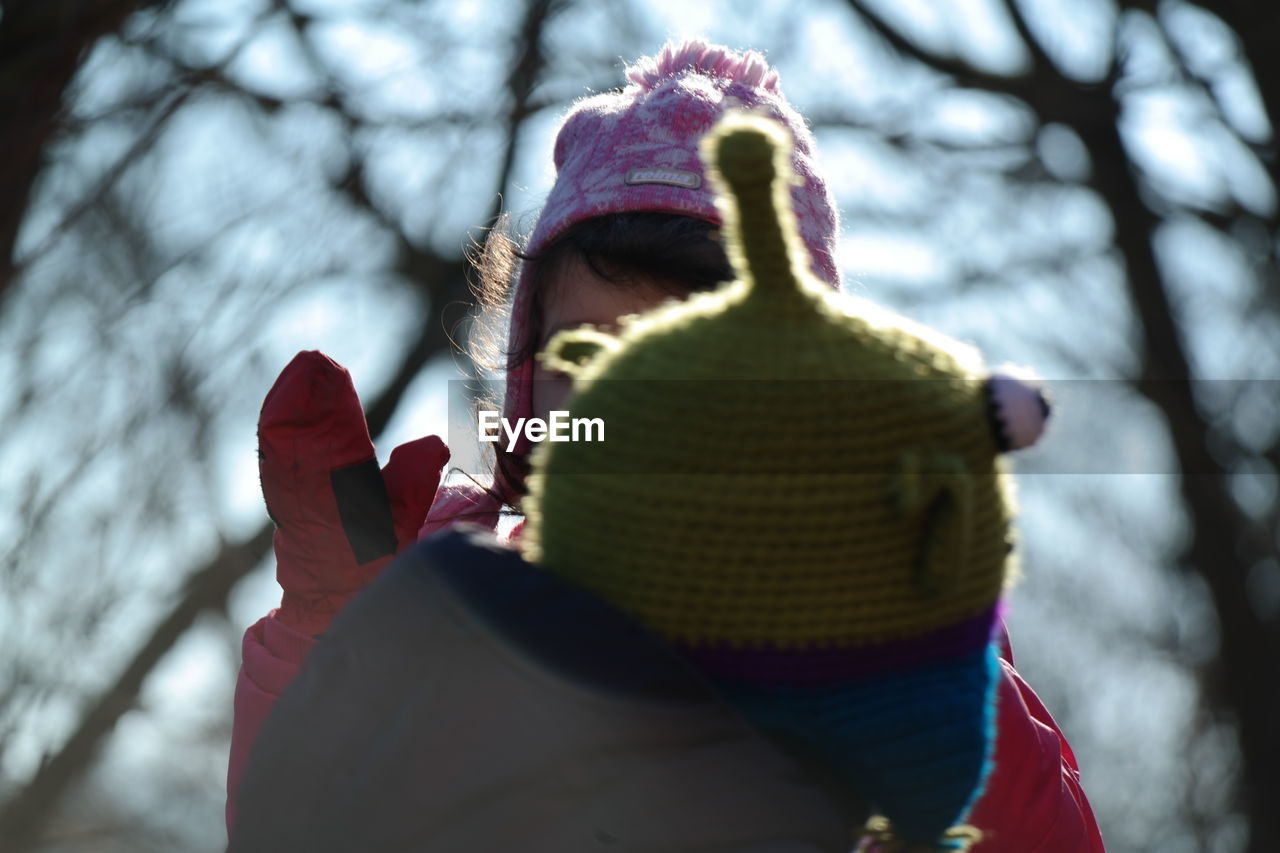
x=339 y=519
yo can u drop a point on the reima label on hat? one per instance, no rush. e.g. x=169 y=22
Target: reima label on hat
x=668 y=177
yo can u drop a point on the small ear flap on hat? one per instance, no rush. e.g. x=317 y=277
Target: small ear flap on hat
x=1017 y=407
x=945 y=530
x=570 y=352
x=935 y=492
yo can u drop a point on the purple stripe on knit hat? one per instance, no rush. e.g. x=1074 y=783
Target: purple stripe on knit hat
x=798 y=667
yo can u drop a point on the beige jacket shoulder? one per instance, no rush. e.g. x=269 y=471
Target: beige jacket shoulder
x=434 y=718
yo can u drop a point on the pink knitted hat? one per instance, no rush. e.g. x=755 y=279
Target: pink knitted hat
x=636 y=150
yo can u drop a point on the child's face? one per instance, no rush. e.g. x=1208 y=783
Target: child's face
x=579 y=297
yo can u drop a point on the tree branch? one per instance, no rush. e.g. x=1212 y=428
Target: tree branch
x=1221 y=551
x=109 y=179
x=963 y=72
x=1039 y=59
x=444 y=280
x=41 y=45
x=1255 y=25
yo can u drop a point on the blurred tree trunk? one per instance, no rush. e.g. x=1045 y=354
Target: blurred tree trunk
x=1226 y=543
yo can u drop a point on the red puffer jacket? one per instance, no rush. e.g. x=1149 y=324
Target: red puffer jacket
x=1034 y=800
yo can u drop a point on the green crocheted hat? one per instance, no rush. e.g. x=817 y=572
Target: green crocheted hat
x=803 y=492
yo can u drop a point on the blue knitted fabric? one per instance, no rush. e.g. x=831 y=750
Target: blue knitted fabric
x=920 y=739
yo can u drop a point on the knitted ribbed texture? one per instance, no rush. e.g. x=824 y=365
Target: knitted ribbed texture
x=636 y=149
x=915 y=742
x=848 y=496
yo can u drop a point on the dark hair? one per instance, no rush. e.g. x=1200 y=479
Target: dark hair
x=678 y=254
